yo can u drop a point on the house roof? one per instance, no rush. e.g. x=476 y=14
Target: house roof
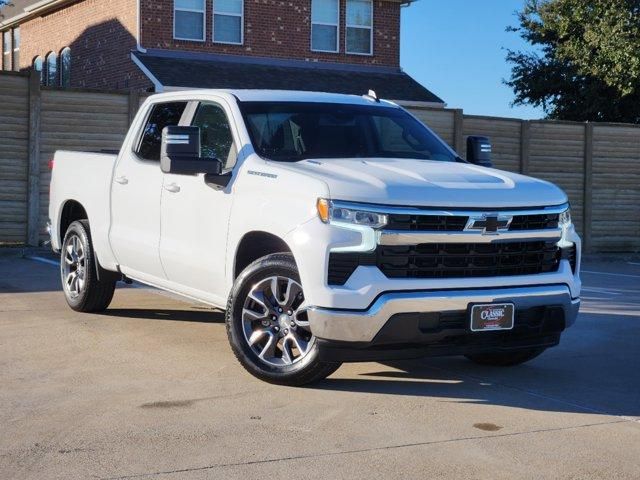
x=15 y=8
x=16 y=12
x=193 y=70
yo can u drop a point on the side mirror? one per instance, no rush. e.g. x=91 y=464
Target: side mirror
x=479 y=151
x=180 y=153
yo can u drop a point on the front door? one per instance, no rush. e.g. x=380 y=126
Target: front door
x=135 y=197
x=195 y=216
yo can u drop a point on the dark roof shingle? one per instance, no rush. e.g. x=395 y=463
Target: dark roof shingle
x=201 y=72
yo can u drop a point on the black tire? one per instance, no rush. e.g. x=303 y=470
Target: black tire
x=506 y=359
x=305 y=371
x=94 y=295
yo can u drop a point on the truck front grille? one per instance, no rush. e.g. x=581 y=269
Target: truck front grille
x=426 y=223
x=450 y=260
x=535 y=222
x=447 y=223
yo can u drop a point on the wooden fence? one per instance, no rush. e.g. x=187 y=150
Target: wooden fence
x=597 y=164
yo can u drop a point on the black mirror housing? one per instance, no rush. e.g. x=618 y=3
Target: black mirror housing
x=180 y=153
x=479 y=151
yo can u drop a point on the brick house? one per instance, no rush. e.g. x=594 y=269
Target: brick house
x=344 y=46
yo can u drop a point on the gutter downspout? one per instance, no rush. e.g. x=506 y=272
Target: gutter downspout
x=156 y=84
x=139 y=46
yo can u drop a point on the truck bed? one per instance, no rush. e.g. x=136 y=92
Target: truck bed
x=86 y=178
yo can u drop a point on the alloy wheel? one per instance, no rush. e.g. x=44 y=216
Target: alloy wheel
x=275 y=323
x=73 y=266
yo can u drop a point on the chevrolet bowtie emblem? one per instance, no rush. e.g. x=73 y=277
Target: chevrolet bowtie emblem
x=490 y=224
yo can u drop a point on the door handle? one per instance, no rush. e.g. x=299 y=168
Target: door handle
x=122 y=180
x=172 y=187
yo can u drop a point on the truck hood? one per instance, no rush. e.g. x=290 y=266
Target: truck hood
x=428 y=183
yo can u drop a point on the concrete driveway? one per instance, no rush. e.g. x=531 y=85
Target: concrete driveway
x=151 y=390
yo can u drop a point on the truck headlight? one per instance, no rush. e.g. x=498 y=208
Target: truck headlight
x=565 y=218
x=330 y=212
x=564 y=222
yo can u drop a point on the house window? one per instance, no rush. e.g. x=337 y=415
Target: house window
x=360 y=27
x=325 y=21
x=52 y=70
x=16 y=49
x=228 y=21
x=65 y=67
x=6 y=50
x=189 y=20
x=38 y=65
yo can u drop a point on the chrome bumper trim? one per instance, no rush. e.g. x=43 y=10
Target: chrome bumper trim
x=363 y=326
x=392 y=237
x=451 y=212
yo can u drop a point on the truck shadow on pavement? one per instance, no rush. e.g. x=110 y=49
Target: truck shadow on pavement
x=542 y=385
x=194 y=316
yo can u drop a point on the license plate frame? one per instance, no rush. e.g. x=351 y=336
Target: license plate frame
x=499 y=317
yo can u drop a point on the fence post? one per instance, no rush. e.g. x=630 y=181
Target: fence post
x=458 y=131
x=134 y=105
x=587 y=200
x=525 y=142
x=33 y=185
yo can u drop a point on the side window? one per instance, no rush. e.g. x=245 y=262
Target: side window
x=216 y=139
x=162 y=115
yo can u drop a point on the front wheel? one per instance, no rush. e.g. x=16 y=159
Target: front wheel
x=82 y=289
x=267 y=324
x=506 y=359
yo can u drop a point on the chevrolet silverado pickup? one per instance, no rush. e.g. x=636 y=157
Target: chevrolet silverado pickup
x=330 y=228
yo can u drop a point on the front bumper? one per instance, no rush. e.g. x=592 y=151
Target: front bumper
x=415 y=321
x=313 y=242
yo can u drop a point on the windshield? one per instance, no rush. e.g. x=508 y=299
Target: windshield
x=293 y=131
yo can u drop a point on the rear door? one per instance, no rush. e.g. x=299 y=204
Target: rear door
x=136 y=193
x=195 y=215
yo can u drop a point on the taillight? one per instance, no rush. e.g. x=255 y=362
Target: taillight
x=51 y=164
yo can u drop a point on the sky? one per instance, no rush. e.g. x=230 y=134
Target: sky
x=457 y=49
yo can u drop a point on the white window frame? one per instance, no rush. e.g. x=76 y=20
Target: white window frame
x=360 y=27
x=7 y=51
x=42 y=68
x=15 y=49
x=56 y=81
x=61 y=66
x=337 y=25
x=227 y=14
x=204 y=22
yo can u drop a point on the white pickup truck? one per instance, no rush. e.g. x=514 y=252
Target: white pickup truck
x=331 y=229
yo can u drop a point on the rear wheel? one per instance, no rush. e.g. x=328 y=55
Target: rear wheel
x=506 y=359
x=82 y=289
x=268 y=327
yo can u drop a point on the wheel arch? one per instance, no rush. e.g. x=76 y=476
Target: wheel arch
x=71 y=211
x=254 y=245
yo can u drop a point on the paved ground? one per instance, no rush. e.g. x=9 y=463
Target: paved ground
x=150 y=390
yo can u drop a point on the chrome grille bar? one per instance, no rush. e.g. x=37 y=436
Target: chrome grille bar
x=390 y=237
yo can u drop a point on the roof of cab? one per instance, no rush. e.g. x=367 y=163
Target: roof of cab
x=281 y=96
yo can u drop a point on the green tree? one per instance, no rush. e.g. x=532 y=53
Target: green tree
x=586 y=59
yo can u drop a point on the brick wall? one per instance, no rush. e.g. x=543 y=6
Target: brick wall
x=280 y=29
x=101 y=35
